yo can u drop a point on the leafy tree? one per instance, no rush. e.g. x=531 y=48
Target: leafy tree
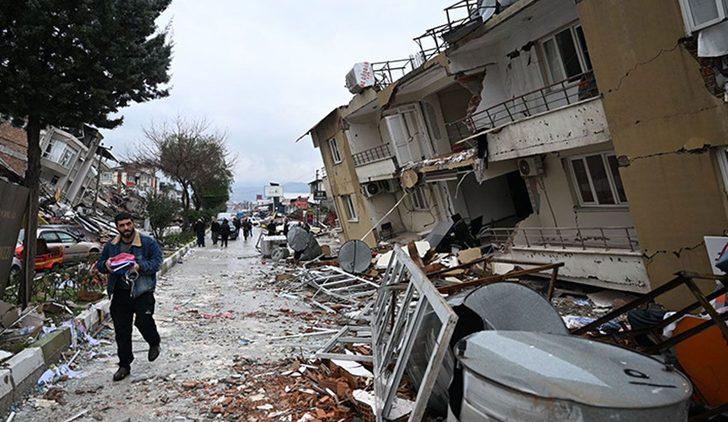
x=161 y=211
x=66 y=63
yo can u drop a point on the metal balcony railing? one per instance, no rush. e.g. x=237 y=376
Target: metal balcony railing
x=550 y=97
x=389 y=71
x=609 y=238
x=458 y=15
x=380 y=152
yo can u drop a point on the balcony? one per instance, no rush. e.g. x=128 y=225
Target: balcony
x=560 y=116
x=375 y=164
x=600 y=256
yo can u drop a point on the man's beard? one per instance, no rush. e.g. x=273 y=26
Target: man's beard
x=127 y=234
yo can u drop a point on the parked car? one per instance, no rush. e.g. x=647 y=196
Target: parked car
x=75 y=249
x=47 y=258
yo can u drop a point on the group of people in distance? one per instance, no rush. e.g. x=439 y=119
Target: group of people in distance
x=221 y=230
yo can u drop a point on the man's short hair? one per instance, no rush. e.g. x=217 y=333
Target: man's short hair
x=122 y=216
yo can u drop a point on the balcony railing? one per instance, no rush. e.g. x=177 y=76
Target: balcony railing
x=550 y=97
x=623 y=238
x=458 y=15
x=380 y=152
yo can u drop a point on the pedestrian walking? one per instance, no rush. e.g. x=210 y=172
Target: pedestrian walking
x=132 y=260
x=236 y=226
x=200 y=232
x=247 y=228
x=224 y=233
x=215 y=231
x=285 y=227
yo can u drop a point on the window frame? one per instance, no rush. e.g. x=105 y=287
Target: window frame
x=419 y=199
x=50 y=233
x=580 y=53
x=349 y=208
x=618 y=203
x=690 y=26
x=335 y=153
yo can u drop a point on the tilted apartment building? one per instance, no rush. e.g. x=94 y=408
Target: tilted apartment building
x=523 y=118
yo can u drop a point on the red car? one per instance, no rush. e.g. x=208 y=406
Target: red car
x=45 y=258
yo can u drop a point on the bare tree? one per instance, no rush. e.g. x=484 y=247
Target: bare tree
x=191 y=153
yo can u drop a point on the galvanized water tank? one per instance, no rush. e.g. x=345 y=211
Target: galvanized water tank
x=529 y=376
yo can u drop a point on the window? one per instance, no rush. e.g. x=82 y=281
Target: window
x=49 y=148
x=49 y=237
x=419 y=198
x=69 y=154
x=65 y=237
x=699 y=14
x=349 y=208
x=597 y=181
x=334 y=150
x=566 y=54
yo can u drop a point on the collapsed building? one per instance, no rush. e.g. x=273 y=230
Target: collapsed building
x=546 y=134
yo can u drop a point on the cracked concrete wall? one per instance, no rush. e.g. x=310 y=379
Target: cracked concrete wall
x=661 y=118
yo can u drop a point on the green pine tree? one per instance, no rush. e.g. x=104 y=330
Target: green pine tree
x=72 y=62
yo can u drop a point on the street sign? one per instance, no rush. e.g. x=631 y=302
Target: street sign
x=319 y=195
x=715 y=245
x=273 y=191
x=12 y=208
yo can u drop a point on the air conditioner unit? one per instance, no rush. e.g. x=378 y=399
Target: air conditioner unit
x=359 y=77
x=530 y=166
x=371 y=189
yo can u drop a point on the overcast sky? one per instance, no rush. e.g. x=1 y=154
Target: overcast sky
x=266 y=71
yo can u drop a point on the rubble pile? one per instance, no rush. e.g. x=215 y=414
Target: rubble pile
x=287 y=391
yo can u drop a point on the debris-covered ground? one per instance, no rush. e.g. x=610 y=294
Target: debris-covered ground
x=231 y=348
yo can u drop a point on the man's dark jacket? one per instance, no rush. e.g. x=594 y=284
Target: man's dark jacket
x=148 y=255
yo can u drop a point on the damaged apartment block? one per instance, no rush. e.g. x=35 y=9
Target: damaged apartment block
x=577 y=134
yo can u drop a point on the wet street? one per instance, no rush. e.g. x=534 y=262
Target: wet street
x=218 y=310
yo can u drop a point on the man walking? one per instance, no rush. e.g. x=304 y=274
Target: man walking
x=132 y=261
x=215 y=231
x=200 y=232
x=224 y=233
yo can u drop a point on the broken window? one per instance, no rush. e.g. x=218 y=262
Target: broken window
x=566 y=54
x=349 y=207
x=597 y=181
x=334 y=147
x=699 y=14
x=419 y=198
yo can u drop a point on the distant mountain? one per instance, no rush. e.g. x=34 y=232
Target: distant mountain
x=247 y=191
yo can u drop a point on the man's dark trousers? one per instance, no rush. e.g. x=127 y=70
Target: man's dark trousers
x=123 y=310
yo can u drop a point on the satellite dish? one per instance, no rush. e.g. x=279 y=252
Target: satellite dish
x=355 y=256
x=486 y=9
x=298 y=238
